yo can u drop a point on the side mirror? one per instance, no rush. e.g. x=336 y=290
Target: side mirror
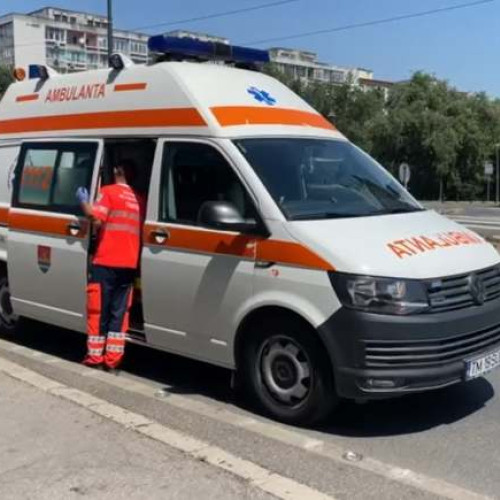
x=225 y=215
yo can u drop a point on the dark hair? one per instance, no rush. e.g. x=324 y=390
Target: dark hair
x=126 y=168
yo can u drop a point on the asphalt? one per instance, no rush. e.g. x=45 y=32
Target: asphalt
x=51 y=449
x=451 y=434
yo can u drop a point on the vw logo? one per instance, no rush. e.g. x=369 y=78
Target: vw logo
x=477 y=289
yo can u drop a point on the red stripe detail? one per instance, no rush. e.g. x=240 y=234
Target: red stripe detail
x=27 y=97
x=228 y=116
x=94 y=309
x=125 y=87
x=4 y=216
x=94 y=321
x=175 y=117
x=126 y=316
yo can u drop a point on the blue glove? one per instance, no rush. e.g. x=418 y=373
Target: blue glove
x=82 y=195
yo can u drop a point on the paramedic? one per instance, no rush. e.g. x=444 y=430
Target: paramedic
x=117 y=215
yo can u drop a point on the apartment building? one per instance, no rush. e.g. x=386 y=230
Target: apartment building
x=65 y=40
x=304 y=65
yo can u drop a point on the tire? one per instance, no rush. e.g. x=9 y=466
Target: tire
x=286 y=370
x=9 y=322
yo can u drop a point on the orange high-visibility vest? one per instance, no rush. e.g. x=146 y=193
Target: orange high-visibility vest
x=119 y=209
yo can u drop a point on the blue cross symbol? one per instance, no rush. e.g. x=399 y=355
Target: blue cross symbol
x=262 y=96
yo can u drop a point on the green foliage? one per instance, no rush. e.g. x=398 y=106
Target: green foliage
x=5 y=79
x=445 y=135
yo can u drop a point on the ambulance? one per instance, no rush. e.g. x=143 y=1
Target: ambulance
x=272 y=245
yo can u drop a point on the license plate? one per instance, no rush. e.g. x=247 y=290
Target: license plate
x=479 y=366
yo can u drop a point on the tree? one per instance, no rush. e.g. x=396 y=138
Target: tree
x=5 y=79
x=445 y=135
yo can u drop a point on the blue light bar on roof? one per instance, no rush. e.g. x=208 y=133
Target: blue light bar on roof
x=189 y=47
x=36 y=71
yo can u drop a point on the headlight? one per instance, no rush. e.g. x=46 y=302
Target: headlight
x=380 y=295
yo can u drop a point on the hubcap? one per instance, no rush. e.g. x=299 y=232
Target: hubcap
x=7 y=315
x=285 y=370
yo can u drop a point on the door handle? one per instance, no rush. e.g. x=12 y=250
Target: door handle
x=74 y=228
x=160 y=236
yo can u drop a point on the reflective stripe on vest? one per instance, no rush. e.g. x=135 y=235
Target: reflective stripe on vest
x=125 y=215
x=127 y=228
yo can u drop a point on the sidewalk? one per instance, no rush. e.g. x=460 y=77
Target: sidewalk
x=52 y=449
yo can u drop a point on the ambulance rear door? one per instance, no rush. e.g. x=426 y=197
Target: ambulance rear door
x=48 y=239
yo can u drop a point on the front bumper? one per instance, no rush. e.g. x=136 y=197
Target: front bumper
x=378 y=356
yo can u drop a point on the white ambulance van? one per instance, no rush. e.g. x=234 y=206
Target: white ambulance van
x=272 y=246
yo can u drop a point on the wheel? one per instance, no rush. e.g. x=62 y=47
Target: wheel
x=9 y=321
x=287 y=371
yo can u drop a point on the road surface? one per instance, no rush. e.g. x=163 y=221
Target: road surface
x=483 y=219
x=442 y=444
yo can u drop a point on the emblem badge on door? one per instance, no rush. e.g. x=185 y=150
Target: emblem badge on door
x=44 y=258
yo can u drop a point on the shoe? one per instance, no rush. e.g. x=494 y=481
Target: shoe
x=92 y=364
x=111 y=369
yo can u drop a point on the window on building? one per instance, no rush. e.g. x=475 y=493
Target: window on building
x=76 y=56
x=50 y=173
x=301 y=72
x=337 y=77
x=194 y=173
x=6 y=33
x=319 y=74
x=103 y=42
x=55 y=34
x=120 y=45
x=289 y=70
x=138 y=48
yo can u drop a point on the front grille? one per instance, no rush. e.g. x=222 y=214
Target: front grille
x=456 y=292
x=420 y=353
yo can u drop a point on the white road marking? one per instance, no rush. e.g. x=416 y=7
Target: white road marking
x=479 y=228
x=280 y=486
x=478 y=223
x=272 y=430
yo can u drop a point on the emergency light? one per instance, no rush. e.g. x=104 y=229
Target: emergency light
x=39 y=71
x=179 y=48
x=36 y=71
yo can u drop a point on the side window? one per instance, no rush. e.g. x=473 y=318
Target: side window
x=194 y=173
x=49 y=174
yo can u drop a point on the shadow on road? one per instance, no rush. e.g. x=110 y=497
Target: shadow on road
x=405 y=415
x=413 y=413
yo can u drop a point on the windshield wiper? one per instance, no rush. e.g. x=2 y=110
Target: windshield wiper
x=325 y=215
x=400 y=210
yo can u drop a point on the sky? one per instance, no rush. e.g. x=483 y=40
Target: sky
x=461 y=46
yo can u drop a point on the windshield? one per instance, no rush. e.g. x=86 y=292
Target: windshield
x=322 y=179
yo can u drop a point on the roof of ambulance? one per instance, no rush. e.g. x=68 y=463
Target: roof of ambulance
x=171 y=98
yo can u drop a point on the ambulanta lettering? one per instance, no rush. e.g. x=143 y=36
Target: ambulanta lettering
x=420 y=244
x=76 y=93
